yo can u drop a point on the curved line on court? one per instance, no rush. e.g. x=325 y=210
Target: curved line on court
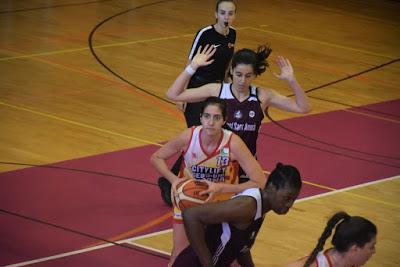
x=328 y=151
x=70 y=230
x=90 y=43
x=326 y=85
x=54 y=6
x=132 y=179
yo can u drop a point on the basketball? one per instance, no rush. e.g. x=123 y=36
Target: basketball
x=187 y=193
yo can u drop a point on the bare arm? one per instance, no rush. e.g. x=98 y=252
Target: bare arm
x=172 y=147
x=178 y=92
x=249 y=164
x=301 y=104
x=238 y=211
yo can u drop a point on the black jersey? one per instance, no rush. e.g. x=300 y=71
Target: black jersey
x=215 y=72
x=244 y=118
x=224 y=240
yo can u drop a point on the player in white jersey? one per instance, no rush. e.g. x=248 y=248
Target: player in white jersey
x=213 y=117
x=353 y=243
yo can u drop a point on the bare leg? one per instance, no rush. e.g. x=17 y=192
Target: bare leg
x=180 y=241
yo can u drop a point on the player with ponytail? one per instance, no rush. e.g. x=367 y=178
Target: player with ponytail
x=353 y=243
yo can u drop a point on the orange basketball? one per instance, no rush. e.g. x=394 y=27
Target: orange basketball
x=187 y=193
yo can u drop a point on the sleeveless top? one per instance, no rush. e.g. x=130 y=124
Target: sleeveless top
x=217 y=166
x=244 y=118
x=226 y=242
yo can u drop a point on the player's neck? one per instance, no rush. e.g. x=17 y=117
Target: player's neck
x=338 y=259
x=221 y=30
x=240 y=94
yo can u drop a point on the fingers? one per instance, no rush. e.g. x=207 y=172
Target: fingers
x=210 y=197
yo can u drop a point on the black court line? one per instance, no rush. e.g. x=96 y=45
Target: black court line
x=53 y=6
x=90 y=41
x=131 y=179
x=97 y=238
x=331 y=83
x=272 y=120
x=329 y=151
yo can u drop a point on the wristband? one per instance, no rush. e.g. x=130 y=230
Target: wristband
x=190 y=70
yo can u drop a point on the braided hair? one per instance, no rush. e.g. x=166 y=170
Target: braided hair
x=284 y=175
x=349 y=230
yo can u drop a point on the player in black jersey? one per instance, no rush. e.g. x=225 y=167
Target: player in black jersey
x=223 y=37
x=220 y=233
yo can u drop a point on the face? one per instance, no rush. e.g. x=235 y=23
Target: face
x=283 y=199
x=212 y=118
x=226 y=14
x=242 y=76
x=362 y=255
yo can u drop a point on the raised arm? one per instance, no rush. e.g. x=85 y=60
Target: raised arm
x=178 y=92
x=300 y=104
x=172 y=147
x=238 y=211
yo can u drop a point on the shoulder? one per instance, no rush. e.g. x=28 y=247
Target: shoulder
x=265 y=94
x=204 y=30
x=299 y=263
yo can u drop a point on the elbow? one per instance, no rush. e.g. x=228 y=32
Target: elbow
x=153 y=159
x=306 y=110
x=171 y=96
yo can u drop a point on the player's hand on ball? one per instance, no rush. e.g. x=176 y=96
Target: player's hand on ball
x=213 y=189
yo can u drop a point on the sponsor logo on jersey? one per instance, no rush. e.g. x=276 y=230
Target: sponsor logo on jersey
x=238 y=114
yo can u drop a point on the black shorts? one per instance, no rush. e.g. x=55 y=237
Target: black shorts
x=187 y=258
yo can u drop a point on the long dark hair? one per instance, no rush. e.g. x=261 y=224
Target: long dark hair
x=257 y=59
x=349 y=230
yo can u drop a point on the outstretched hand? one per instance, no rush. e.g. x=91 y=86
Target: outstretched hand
x=202 y=57
x=287 y=72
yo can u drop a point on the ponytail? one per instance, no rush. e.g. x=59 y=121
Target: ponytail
x=333 y=221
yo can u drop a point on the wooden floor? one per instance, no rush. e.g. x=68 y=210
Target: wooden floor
x=83 y=78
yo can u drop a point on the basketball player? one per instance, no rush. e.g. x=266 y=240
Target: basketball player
x=222 y=36
x=246 y=103
x=353 y=243
x=222 y=232
x=210 y=153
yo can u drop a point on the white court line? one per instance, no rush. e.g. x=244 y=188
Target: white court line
x=71 y=253
x=75 y=252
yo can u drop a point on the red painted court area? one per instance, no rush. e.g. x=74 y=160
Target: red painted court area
x=71 y=205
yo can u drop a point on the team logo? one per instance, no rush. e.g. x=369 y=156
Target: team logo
x=238 y=114
x=252 y=114
x=230 y=45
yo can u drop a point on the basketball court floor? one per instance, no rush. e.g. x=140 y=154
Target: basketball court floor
x=83 y=106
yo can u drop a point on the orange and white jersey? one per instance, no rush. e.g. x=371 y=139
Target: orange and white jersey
x=217 y=166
